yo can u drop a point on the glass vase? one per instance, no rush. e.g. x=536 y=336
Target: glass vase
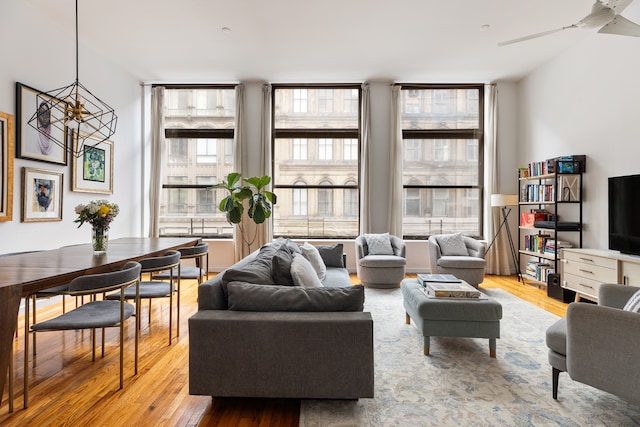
x=99 y=240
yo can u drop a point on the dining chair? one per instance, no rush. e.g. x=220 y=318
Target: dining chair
x=200 y=253
x=152 y=288
x=93 y=314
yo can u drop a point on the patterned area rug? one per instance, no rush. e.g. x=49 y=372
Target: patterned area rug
x=460 y=385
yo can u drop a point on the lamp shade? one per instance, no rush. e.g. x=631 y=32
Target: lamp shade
x=499 y=200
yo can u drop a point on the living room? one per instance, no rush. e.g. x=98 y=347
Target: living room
x=580 y=100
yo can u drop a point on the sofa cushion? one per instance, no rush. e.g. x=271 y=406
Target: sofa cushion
x=251 y=297
x=303 y=273
x=332 y=255
x=382 y=261
x=452 y=245
x=311 y=253
x=461 y=262
x=256 y=271
x=281 y=266
x=379 y=244
x=634 y=303
x=556 y=336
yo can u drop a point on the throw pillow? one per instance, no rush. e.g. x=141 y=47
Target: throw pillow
x=303 y=273
x=634 y=303
x=379 y=244
x=281 y=266
x=257 y=271
x=452 y=245
x=250 y=297
x=332 y=254
x=311 y=253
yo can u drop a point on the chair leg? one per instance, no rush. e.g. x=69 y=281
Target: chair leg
x=33 y=322
x=170 y=314
x=10 y=383
x=555 y=374
x=26 y=353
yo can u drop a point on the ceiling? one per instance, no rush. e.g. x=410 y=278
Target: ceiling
x=183 y=41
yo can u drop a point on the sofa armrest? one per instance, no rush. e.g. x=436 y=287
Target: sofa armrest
x=603 y=348
x=361 y=247
x=614 y=295
x=476 y=248
x=434 y=254
x=398 y=246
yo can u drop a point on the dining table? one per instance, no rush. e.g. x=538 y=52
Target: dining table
x=23 y=274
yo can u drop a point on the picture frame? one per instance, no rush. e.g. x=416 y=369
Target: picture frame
x=41 y=195
x=31 y=144
x=93 y=171
x=6 y=166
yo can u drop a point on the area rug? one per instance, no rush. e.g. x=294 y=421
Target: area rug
x=460 y=385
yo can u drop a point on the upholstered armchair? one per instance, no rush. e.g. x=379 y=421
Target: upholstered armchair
x=380 y=260
x=599 y=345
x=461 y=256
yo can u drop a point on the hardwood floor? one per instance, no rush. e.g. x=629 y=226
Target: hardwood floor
x=66 y=387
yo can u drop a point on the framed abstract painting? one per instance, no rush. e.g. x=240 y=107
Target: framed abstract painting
x=92 y=172
x=41 y=195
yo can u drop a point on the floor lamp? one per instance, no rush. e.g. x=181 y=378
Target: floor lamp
x=503 y=201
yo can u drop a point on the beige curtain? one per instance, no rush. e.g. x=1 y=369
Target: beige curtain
x=395 y=179
x=499 y=257
x=365 y=162
x=240 y=249
x=157 y=158
x=266 y=234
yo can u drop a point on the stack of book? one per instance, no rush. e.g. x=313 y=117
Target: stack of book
x=451 y=290
x=539 y=270
x=553 y=246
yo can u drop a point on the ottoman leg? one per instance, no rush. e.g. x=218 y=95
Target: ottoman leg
x=427 y=343
x=407 y=319
x=492 y=347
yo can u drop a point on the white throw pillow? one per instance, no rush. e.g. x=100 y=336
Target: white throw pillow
x=379 y=244
x=302 y=272
x=634 y=303
x=312 y=254
x=452 y=245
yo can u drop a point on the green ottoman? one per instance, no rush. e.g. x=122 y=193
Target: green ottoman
x=451 y=317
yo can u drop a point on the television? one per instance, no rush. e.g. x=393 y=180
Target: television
x=624 y=214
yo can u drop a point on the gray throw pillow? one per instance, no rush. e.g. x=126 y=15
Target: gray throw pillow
x=634 y=303
x=250 y=297
x=257 y=271
x=281 y=266
x=332 y=254
x=452 y=245
x=311 y=253
x=379 y=244
x=303 y=273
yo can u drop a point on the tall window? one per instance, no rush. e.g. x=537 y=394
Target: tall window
x=443 y=185
x=199 y=129
x=307 y=183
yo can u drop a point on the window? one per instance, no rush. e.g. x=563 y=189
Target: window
x=442 y=131
x=325 y=120
x=199 y=131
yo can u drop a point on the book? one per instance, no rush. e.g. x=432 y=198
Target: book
x=451 y=290
x=444 y=278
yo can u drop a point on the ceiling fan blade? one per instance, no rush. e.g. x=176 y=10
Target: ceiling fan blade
x=533 y=36
x=621 y=26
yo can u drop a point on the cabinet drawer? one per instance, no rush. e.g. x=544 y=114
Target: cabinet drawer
x=590 y=259
x=581 y=285
x=590 y=271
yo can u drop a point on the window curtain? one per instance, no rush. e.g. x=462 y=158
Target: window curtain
x=498 y=258
x=365 y=158
x=157 y=156
x=266 y=232
x=395 y=179
x=240 y=248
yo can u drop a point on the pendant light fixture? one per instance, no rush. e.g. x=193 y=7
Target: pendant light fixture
x=73 y=108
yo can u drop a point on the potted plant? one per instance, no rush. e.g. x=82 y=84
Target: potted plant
x=259 y=199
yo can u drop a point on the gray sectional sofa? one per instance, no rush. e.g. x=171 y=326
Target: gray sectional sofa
x=256 y=337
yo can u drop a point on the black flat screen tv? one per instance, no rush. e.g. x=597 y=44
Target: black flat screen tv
x=624 y=214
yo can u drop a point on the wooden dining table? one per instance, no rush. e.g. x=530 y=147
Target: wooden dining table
x=25 y=273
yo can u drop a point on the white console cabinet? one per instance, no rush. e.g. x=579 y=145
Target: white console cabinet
x=583 y=270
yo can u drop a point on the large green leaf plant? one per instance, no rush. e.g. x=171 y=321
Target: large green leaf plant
x=240 y=191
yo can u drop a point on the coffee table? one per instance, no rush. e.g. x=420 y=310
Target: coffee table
x=451 y=317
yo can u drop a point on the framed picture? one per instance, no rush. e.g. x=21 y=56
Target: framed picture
x=6 y=167
x=41 y=195
x=93 y=171
x=34 y=145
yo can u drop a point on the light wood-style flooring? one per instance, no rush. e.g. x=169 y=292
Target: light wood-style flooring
x=67 y=388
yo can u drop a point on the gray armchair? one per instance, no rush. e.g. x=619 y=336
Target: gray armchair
x=599 y=345
x=381 y=271
x=469 y=268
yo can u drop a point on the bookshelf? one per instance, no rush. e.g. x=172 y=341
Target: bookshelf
x=550 y=215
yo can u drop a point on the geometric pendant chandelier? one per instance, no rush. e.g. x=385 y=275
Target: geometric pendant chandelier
x=75 y=108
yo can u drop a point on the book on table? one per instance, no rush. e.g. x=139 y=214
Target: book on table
x=444 y=278
x=451 y=290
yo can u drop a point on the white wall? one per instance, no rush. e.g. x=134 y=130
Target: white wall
x=41 y=55
x=586 y=102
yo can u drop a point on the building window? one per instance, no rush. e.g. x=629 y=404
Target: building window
x=199 y=132
x=442 y=124
x=306 y=207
